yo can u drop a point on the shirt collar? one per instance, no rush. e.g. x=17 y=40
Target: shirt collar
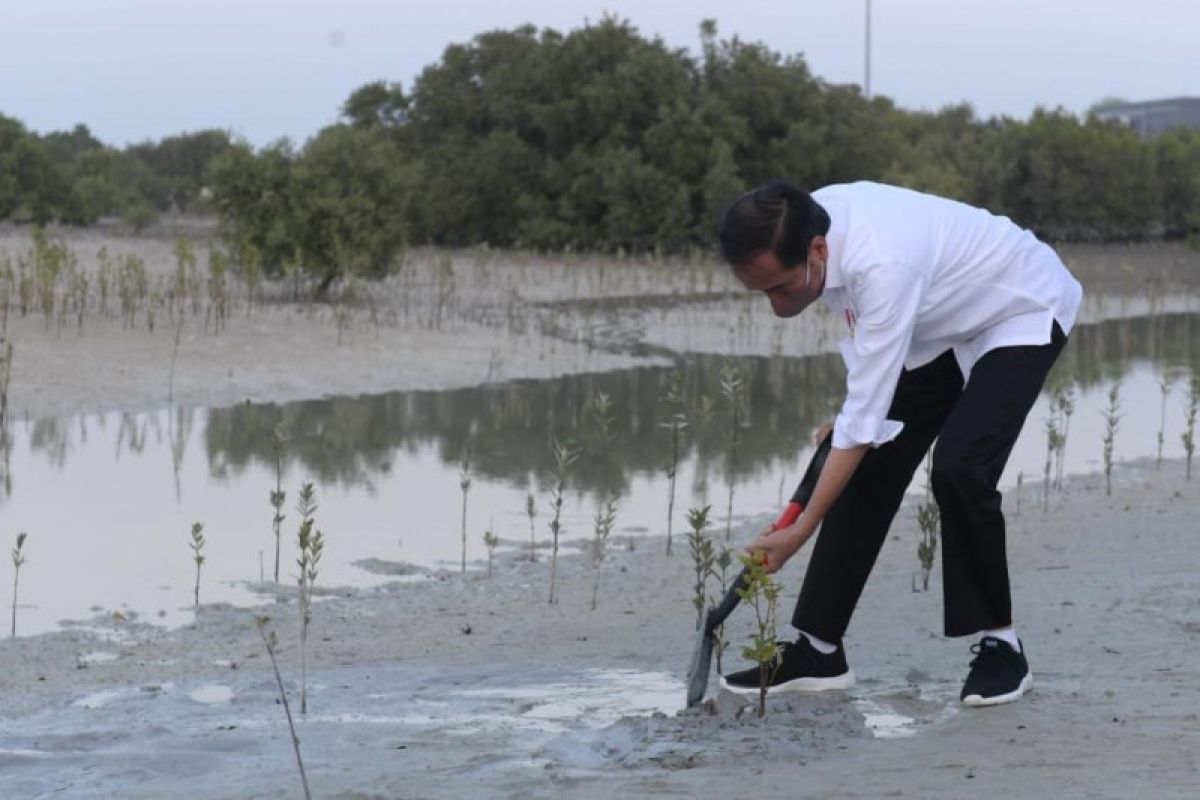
x=835 y=241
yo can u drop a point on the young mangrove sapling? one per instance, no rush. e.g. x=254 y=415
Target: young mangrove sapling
x=702 y=559
x=672 y=400
x=762 y=594
x=18 y=557
x=606 y=517
x=1112 y=419
x=564 y=457
x=197 y=544
x=311 y=544
x=464 y=483
x=1189 y=432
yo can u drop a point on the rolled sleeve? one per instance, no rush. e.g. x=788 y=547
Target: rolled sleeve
x=886 y=299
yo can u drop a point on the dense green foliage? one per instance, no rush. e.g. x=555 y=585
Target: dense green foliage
x=73 y=178
x=599 y=139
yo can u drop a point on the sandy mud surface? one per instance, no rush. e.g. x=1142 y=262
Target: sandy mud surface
x=441 y=685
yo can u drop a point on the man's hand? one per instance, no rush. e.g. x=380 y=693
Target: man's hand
x=776 y=547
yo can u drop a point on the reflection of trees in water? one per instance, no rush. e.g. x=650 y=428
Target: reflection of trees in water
x=509 y=426
x=1104 y=352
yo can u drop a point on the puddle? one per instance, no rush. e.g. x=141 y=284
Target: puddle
x=212 y=694
x=597 y=699
x=386 y=470
x=884 y=723
x=100 y=699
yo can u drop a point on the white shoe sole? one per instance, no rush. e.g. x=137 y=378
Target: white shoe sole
x=843 y=681
x=977 y=701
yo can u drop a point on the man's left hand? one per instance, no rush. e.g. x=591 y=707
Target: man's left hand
x=776 y=547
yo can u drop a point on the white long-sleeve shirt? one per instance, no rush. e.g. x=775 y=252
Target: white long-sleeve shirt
x=915 y=275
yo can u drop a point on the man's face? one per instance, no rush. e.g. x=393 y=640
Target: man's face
x=790 y=291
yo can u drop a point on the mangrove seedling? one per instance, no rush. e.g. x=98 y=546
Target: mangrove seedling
x=929 y=521
x=564 y=457
x=1189 y=431
x=269 y=639
x=464 y=483
x=702 y=559
x=606 y=517
x=762 y=594
x=311 y=543
x=1165 y=384
x=197 y=544
x=1052 y=443
x=490 y=540
x=18 y=557
x=672 y=400
x=731 y=390
x=1064 y=405
x=278 y=437
x=531 y=512
x=1112 y=419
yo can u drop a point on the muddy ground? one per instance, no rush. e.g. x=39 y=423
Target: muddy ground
x=448 y=686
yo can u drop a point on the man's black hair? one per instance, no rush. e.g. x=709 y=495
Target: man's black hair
x=776 y=217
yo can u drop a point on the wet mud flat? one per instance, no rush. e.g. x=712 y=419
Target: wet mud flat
x=456 y=686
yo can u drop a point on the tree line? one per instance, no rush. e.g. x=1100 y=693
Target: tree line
x=73 y=178
x=603 y=139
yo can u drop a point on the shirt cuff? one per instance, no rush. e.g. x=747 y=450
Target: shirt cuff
x=851 y=432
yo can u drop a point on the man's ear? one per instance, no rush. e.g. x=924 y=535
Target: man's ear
x=817 y=247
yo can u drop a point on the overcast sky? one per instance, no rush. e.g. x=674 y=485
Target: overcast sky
x=138 y=69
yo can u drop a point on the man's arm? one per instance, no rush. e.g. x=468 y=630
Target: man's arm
x=779 y=546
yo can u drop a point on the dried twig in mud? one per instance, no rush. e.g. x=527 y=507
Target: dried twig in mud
x=762 y=594
x=564 y=457
x=278 y=438
x=197 y=544
x=673 y=402
x=1188 y=437
x=464 y=483
x=18 y=557
x=311 y=543
x=270 y=641
x=732 y=390
x=1112 y=418
x=703 y=558
x=531 y=512
x=606 y=517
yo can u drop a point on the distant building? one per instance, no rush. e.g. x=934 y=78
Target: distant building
x=1153 y=117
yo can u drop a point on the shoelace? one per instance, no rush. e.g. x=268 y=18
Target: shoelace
x=989 y=659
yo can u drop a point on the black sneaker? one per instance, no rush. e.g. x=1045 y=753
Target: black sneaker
x=801 y=668
x=999 y=674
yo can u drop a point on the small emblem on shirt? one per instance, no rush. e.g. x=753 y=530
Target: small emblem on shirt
x=850 y=320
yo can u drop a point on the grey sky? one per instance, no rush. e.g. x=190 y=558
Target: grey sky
x=137 y=69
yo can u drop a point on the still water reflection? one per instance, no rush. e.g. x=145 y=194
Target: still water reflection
x=109 y=499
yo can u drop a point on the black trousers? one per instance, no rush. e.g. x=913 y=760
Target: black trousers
x=976 y=426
